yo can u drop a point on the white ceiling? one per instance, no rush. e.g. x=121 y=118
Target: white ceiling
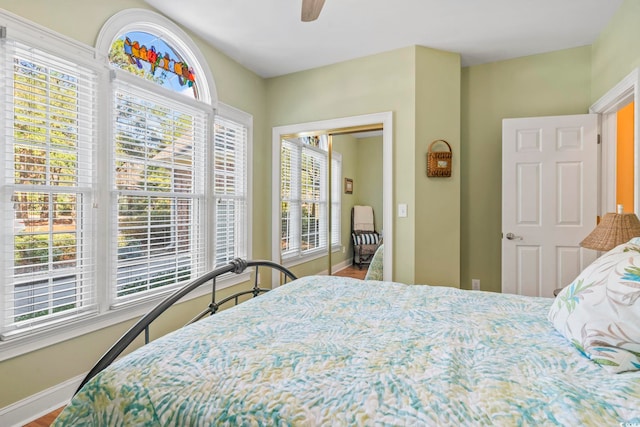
x=268 y=37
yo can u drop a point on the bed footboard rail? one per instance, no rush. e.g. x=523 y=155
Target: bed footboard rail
x=236 y=266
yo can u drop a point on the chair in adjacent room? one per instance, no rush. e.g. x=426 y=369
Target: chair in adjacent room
x=364 y=235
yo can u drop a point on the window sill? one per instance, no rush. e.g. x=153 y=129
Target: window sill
x=294 y=260
x=20 y=344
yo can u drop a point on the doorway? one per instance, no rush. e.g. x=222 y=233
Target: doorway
x=625 y=185
x=620 y=96
x=382 y=121
x=609 y=174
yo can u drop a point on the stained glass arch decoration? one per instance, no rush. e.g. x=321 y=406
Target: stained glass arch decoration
x=152 y=47
x=150 y=57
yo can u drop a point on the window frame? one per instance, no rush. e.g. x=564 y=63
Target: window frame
x=22 y=31
x=298 y=255
x=106 y=315
x=122 y=81
x=59 y=117
x=336 y=200
x=244 y=119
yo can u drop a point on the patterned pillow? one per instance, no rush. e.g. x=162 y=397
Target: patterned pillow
x=599 y=312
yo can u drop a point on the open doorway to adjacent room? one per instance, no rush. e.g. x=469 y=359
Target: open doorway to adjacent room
x=619 y=173
x=350 y=135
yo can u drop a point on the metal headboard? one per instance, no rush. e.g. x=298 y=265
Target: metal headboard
x=236 y=266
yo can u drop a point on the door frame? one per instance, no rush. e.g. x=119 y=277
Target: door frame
x=626 y=91
x=386 y=119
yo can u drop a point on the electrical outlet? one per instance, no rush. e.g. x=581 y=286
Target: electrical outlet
x=475 y=284
x=344 y=250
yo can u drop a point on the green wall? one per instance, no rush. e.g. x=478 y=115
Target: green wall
x=541 y=85
x=372 y=84
x=616 y=52
x=368 y=177
x=346 y=145
x=404 y=81
x=437 y=200
x=362 y=162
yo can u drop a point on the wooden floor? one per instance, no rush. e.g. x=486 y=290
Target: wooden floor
x=352 y=271
x=45 y=420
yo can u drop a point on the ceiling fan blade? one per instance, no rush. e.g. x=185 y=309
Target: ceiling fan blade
x=311 y=9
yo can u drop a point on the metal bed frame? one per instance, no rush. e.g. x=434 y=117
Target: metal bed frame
x=236 y=266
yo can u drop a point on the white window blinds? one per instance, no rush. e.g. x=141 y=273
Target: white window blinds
x=290 y=195
x=105 y=201
x=304 y=190
x=49 y=117
x=336 y=198
x=313 y=200
x=158 y=190
x=230 y=190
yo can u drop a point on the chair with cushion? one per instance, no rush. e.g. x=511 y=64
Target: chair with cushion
x=364 y=235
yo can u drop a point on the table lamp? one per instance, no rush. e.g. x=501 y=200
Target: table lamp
x=613 y=230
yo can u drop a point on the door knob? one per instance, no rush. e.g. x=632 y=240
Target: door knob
x=512 y=236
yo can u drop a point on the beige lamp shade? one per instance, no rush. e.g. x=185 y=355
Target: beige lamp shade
x=613 y=230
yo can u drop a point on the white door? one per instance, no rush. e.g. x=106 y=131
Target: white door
x=549 y=201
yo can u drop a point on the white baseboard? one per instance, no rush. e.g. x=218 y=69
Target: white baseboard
x=337 y=267
x=39 y=404
x=344 y=264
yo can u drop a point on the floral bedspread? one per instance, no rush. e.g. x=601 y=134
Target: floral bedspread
x=338 y=351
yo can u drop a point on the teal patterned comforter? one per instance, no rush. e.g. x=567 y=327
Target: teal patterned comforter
x=337 y=351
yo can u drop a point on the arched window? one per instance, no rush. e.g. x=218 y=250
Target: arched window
x=149 y=56
x=129 y=36
x=121 y=182
x=164 y=154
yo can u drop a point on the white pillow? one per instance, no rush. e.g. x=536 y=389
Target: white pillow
x=599 y=312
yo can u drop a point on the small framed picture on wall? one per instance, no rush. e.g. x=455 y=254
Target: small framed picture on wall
x=348 y=186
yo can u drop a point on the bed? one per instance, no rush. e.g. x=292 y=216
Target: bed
x=326 y=350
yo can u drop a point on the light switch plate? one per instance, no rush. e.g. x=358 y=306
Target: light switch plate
x=402 y=210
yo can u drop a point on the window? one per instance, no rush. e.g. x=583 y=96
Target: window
x=304 y=191
x=336 y=198
x=159 y=196
x=149 y=56
x=159 y=152
x=167 y=146
x=49 y=113
x=230 y=184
